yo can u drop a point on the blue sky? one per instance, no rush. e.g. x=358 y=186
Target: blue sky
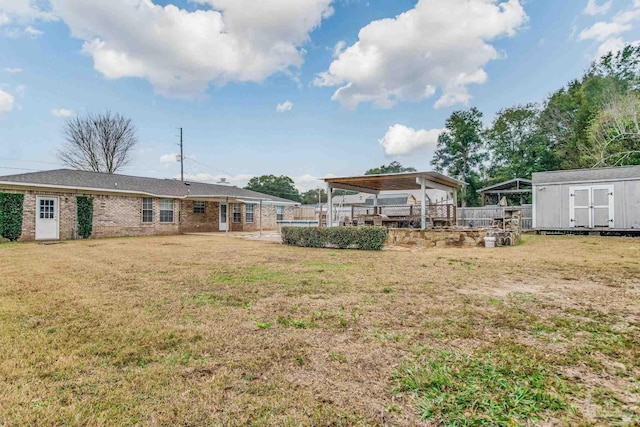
x=359 y=83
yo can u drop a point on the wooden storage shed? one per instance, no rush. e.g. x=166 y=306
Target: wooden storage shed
x=605 y=200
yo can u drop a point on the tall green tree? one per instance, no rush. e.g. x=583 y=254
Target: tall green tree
x=393 y=167
x=623 y=65
x=568 y=114
x=460 y=149
x=517 y=146
x=614 y=134
x=315 y=196
x=279 y=186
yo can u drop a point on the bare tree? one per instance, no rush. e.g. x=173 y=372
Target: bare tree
x=615 y=133
x=100 y=143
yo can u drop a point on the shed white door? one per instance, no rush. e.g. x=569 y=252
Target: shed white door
x=47 y=218
x=591 y=206
x=224 y=217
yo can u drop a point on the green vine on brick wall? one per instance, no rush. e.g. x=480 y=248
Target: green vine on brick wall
x=11 y=215
x=85 y=216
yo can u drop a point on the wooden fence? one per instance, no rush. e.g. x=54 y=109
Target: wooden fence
x=483 y=217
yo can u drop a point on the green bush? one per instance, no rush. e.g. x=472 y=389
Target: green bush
x=341 y=237
x=371 y=238
x=367 y=238
x=85 y=216
x=11 y=215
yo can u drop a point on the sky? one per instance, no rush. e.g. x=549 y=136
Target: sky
x=302 y=88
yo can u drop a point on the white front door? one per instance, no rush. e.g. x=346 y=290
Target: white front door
x=47 y=218
x=591 y=207
x=224 y=216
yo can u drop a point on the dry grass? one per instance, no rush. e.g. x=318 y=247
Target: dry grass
x=213 y=330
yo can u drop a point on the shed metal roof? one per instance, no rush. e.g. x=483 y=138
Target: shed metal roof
x=88 y=181
x=587 y=175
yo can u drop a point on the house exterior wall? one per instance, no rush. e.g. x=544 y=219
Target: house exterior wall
x=269 y=217
x=118 y=216
x=552 y=204
x=191 y=222
x=121 y=215
x=113 y=215
x=66 y=207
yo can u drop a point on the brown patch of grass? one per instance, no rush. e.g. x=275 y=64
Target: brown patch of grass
x=212 y=330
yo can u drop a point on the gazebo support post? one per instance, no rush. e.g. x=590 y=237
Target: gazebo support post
x=329 y=205
x=423 y=204
x=454 y=220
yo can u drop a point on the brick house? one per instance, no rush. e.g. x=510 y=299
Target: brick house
x=136 y=206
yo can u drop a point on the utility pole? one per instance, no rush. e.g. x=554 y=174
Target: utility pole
x=181 y=158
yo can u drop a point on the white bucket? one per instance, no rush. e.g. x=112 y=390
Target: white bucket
x=489 y=242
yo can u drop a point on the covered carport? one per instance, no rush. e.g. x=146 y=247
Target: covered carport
x=374 y=184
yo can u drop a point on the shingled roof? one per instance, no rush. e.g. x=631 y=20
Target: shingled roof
x=87 y=181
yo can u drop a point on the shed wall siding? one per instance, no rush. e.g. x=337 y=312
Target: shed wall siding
x=552 y=205
x=631 y=204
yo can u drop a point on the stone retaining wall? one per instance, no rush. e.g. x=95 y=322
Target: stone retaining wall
x=429 y=238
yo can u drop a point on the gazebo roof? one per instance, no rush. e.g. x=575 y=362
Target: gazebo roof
x=511 y=186
x=395 y=181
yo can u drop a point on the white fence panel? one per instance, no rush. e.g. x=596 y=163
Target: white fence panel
x=484 y=216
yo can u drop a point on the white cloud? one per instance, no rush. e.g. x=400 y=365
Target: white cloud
x=6 y=102
x=12 y=70
x=285 y=106
x=181 y=52
x=608 y=34
x=339 y=48
x=593 y=8
x=19 y=14
x=169 y=158
x=308 y=182
x=439 y=44
x=403 y=140
x=63 y=113
x=32 y=32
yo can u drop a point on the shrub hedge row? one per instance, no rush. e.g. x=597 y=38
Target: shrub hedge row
x=85 y=216
x=11 y=215
x=366 y=238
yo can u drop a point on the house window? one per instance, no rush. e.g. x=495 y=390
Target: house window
x=166 y=210
x=250 y=212
x=198 y=207
x=147 y=209
x=237 y=213
x=280 y=213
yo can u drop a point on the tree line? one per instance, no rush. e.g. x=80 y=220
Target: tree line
x=591 y=122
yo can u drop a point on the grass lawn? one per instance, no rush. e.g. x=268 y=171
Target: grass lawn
x=216 y=330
